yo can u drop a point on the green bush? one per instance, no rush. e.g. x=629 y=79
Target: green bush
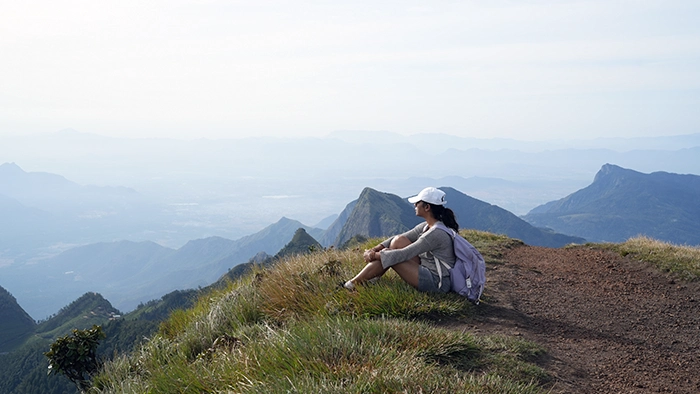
x=75 y=356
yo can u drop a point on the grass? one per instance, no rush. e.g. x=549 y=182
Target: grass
x=682 y=261
x=293 y=329
x=491 y=246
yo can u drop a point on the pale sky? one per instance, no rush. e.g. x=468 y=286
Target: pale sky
x=530 y=69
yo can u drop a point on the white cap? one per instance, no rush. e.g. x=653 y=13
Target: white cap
x=430 y=195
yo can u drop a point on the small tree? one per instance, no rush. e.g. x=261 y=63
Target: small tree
x=76 y=356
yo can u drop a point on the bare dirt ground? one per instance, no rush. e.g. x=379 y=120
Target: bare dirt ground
x=609 y=324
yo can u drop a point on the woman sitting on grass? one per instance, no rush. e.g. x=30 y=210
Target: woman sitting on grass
x=412 y=254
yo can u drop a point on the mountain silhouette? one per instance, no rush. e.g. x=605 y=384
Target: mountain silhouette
x=623 y=203
x=376 y=214
x=15 y=324
x=90 y=308
x=54 y=193
x=128 y=272
x=301 y=243
x=475 y=214
x=41 y=210
x=330 y=235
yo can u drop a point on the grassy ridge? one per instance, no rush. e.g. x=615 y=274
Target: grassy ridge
x=683 y=261
x=292 y=328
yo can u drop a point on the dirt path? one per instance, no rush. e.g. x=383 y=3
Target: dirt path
x=609 y=325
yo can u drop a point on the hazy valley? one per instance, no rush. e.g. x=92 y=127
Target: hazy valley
x=171 y=214
x=121 y=237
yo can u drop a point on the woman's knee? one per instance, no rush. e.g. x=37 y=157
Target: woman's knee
x=399 y=242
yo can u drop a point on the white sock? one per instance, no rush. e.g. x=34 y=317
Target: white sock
x=349 y=285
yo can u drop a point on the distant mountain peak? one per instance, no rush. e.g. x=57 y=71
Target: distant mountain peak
x=612 y=170
x=377 y=214
x=608 y=168
x=10 y=168
x=301 y=243
x=622 y=203
x=300 y=234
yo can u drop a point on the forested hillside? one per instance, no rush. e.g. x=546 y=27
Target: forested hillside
x=15 y=324
x=24 y=369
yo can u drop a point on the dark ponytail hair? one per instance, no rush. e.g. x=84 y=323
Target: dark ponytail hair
x=445 y=215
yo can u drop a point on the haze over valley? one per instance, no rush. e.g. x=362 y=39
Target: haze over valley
x=61 y=192
x=235 y=187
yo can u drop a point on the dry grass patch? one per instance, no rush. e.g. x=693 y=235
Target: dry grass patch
x=683 y=261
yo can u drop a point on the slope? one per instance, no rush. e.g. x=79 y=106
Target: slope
x=89 y=309
x=622 y=203
x=292 y=328
x=129 y=273
x=23 y=370
x=330 y=235
x=301 y=243
x=377 y=214
x=15 y=324
x=593 y=320
x=479 y=215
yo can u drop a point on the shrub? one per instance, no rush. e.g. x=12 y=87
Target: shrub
x=75 y=356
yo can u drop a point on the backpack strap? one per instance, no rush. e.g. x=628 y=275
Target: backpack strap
x=437 y=261
x=439 y=269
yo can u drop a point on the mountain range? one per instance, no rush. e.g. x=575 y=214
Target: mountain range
x=618 y=204
x=623 y=203
x=301 y=243
x=230 y=187
x=129 y=273
x=23 y=342
x=377 y=214
x=133 y=272
x=43 y=211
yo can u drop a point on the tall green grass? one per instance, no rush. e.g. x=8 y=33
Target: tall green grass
x=294 y=329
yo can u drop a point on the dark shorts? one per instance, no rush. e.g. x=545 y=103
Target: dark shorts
x=428 y=282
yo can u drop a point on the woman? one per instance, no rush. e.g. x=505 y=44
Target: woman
x=412 y=254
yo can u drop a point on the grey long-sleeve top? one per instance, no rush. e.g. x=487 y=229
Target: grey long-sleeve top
x=426 y=243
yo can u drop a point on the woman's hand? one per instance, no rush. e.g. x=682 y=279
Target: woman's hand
x=372 y=254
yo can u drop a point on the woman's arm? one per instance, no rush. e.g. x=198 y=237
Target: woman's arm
x=431 y=241
x=395 y=256
x=373 y=254
x=412 y=235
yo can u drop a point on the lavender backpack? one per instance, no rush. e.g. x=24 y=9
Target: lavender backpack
x=468 y=276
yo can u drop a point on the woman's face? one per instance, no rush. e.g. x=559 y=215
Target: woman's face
x=422 y=209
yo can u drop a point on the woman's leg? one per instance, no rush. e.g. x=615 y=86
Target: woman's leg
x=407 y=270
x=372 y=270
